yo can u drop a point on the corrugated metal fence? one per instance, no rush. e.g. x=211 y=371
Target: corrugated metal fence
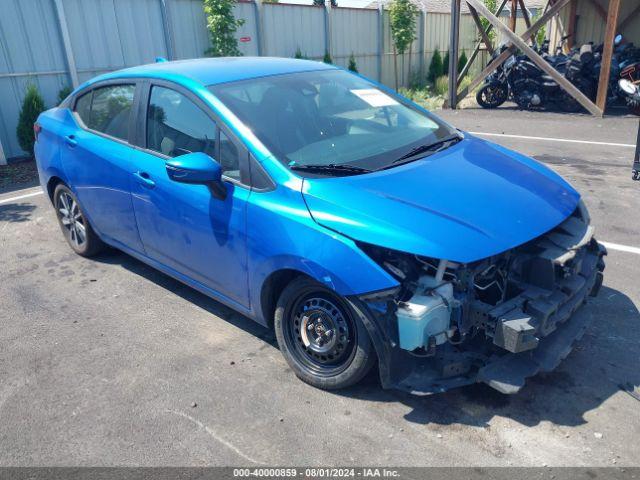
x=52 y=42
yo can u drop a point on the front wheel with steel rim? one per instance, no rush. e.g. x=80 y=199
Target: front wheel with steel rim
x=321 y=336
x=73 y=223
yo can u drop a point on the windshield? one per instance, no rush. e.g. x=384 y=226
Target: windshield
x=330 y=118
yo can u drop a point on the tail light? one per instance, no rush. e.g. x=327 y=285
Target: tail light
x=36 y=130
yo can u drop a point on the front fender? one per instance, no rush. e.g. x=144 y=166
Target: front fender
x=281 y=235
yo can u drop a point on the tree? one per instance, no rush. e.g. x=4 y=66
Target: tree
x=445 y=64
x=435 y=67
x=352 y=64
x=327 y=57
x=402 y=20
x=541 y=34
x=32 y=107
x=222 y=26
x=64 y=93
x=320 y=3
x=491 y=5
x=299 y=54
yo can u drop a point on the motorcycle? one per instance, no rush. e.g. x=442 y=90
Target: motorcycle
x=522 y=81
x=529 y=86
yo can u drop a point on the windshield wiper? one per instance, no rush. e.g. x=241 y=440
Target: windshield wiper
x=344 y=168
x=428 y=148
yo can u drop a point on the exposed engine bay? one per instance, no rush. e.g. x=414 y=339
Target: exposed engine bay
x=498 y=321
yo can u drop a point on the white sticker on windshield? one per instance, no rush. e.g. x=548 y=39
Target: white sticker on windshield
x=374 y=97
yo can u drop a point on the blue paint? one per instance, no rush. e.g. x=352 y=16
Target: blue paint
x=468 y=202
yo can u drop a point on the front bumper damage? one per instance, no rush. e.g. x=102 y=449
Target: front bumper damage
x=529 y=330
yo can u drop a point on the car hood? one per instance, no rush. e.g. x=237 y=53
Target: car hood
x=468 y=202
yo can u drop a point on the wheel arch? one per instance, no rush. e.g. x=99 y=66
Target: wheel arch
x=272 y=288
x=52 y=183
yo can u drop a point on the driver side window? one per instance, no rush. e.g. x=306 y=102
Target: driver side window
x=177 y=126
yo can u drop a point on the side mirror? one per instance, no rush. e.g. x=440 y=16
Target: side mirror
x=196 y=167
x=618 y=40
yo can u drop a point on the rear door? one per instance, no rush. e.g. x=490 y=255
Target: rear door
x=185 y=226
x=96 y=158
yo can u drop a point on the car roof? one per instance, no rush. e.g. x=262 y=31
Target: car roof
x=210 y=71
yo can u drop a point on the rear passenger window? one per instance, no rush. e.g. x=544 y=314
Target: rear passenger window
x=83 y=107
x=176 y=125
x=108 y=110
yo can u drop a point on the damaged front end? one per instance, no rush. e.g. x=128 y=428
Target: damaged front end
x=498 y=320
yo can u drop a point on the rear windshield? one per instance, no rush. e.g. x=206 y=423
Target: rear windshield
x=330 y=117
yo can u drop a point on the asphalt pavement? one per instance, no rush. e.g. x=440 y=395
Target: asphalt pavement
x=107 y=362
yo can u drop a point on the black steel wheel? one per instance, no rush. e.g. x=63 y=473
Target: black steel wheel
x=321 y=335
x=492 y=95
x=73 y=223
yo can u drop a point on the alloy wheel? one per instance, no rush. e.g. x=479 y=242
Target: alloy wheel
x=71 y=218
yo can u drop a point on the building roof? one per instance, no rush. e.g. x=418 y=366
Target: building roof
x=209 y=71
x=444 y=6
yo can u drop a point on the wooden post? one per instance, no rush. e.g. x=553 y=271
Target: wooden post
x=485 y=37
x=573 y=6
x=499 y=60
x=525 y=13
x=514 y=15
x=607 y=53
x=476 y=50
x=537 y=59
x=454 y=44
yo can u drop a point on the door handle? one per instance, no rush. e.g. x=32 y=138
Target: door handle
x=71 y=140
x=144 y=179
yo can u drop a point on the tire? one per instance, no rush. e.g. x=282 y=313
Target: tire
x=74 y=225
x=633 y=105
x=305 y=315
x=492 y=95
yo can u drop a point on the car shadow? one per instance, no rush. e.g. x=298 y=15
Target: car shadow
x=115 y=257
x=602 y=362
x=16 y=212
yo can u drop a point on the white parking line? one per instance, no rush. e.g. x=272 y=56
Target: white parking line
x=20 y=197
x=609 y=245
x=621 y=248
x=549 y=139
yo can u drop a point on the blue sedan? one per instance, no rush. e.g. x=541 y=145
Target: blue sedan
x=363 y=229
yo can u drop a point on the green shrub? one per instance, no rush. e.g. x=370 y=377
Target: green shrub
x=299 y=55
x=441 y=85
x=32 y=106
x=435 y=68
x=64 y=93
x=462 y=61
x=352 y=64
x=445 y=64
x=327 y=58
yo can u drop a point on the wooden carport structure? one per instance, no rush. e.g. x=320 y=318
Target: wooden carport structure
x=552 y=9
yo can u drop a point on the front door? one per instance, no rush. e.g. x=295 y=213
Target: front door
x=96 y=158
x=187 y=227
